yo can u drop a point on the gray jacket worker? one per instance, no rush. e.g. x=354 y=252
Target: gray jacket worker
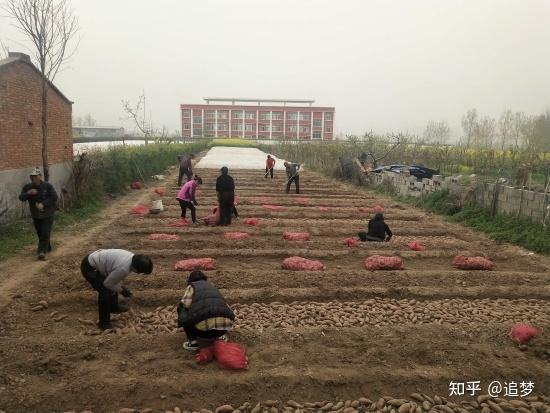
x=105 y=270
x=186 y=167
x=293 y=175
x=203 y=312
x=42 y=200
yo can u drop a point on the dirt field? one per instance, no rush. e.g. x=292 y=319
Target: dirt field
x=343 y=334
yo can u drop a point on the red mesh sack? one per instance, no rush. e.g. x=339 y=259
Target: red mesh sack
x=351 y=242
x=377 y=209
x=235 y=235
x=193 y=264
x=182 y=222
x=140 y=210
x=302 y=264
x=135 y=185
x=324 y=209
x=274 y=207
x=251 y=221
x=296 y=236
x=231 y=356
x=204 y=355
x=213 y=219
x=522 y=333
x=163 y=237
x=416 y=246
x=379 y=262
x=160 y=191
x=472 y=263
x=301 y=201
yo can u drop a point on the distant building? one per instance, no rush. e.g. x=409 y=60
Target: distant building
x=21 y=131
x=97 y=132
x=290 y=119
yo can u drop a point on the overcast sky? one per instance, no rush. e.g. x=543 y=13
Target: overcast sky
x=385 y=65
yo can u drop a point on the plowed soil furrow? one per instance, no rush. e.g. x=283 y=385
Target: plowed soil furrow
x=338 y=334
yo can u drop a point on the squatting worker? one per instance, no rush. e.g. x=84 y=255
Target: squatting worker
x=105 y=270
x=186 y=167
x=203 y=312
x=293 y=175
x=378 y=230
x=186 y=197
x=269 y=165
x=225 y=189
x=42 y=200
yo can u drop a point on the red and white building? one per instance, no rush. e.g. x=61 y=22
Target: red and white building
x=257 y=119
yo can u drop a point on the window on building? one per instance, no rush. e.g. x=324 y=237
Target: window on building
x=250 y=115
x=317 y=122
x=186 y=113
x=316 y=135
x=197 y=119
x=305 y=116
x=264 y=116
x=222 y=114
x=328 y=129
x=276 y=115
x=237 y=126
x=264 y=128
x=292 y=116
x=304 y=128
x=197 y=132
x=222 y=127
x=293 y=128
x=248 y=127
x=209 y=114
x=186 y=126
x=328 y=115
x=276 y=128
x=209 y=126
x=237 y=115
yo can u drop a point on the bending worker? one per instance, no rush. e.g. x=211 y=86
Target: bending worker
x=269 y=165
x=203 y=312
x=293 y=175
x=378 y=230
x=105 y=270
x=186 y=197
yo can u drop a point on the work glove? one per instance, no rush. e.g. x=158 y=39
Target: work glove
x=126 y=292
x=195 y=202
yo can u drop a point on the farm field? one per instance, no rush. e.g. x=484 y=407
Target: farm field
x=363 y=341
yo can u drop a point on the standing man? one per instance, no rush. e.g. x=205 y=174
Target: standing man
x=105 y=270
x=42 y=203
x=269 y=165
x=293 y=175
x=203 y=312
x=186 y=167
x=225 y=189
x=186 y=197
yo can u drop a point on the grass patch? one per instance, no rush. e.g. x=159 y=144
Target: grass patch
x=233 y=142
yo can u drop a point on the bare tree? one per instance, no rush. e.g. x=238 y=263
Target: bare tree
x=137 y=114
x=51 y=26
x=469 y=123
x=518 y=125
x=393 y=142
x=484 y=132
x=87 y=120
x=437 y=132
x=505 y=128
x=4 y=51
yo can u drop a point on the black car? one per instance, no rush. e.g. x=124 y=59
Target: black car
x=419 y=172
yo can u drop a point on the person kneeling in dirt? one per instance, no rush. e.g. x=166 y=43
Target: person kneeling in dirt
x=105 y=270
x=203 y=312
x=186 y=197
x=377 y=230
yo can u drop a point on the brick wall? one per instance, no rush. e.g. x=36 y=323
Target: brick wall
x=20 y=120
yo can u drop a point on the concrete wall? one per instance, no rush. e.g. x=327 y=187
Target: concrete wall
x=12 y=180
x=511 y=201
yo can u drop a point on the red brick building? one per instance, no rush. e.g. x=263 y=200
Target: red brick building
x=290 y=119
x=21 y=130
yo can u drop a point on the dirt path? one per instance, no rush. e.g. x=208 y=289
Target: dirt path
x=361 y=340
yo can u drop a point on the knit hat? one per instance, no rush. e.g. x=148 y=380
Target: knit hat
x=35 y=172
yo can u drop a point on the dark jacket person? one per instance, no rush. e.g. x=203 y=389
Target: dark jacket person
x=225 y=189
x=203 y=312
x=42 y=200
x=378 y=230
